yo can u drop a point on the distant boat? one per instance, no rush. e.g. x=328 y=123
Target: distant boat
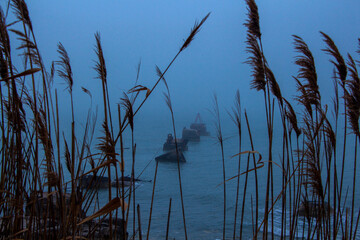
x=199 y=126
x=191 y=135
x=170 y=145
x=171 y=157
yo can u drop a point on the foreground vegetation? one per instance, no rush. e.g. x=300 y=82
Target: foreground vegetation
x=37 y=200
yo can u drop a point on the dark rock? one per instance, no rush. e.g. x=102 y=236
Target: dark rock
x=171 y=157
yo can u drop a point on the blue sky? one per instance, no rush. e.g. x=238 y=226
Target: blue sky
x=153 y=32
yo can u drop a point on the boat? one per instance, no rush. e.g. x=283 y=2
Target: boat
x=171 y=157
x=191 y=135
x=170 y=144
x=199 y=126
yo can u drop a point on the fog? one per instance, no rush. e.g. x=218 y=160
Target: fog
x=152 y=32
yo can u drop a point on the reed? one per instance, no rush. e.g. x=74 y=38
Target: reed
x=39 y=199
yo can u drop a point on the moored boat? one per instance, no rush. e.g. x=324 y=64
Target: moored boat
x=190 y=135
x=199 y=126
x=170 y=144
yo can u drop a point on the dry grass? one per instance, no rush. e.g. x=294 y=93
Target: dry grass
x=38 y=201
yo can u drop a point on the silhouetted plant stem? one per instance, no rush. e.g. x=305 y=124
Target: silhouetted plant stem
x=169 y=104
x=179 y=174
x=139 y=222
x=122 y=174
x=236 y=117
x=353 y=191
x=191 y=36
x=221 y=142
x=168 y=221
x=152 y=201
x=256 y=177
x=244 y=195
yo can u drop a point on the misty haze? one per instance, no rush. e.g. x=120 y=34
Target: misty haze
x=179 y=119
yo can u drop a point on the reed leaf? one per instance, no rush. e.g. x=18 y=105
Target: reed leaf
x=85 y=90
x=67 y=156
x=140 y=88
x=112 y=205
x=161 y=76
x=22 y=74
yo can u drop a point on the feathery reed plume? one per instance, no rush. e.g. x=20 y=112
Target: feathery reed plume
x=253 y=23
x=193 y=32
x=313 y=172
x=307 y=72
x=107 y=144
x=4 y=36
x=312 y=169
x=129 y=110
x=255 y=60
x=22 y=12
x=29 y=47
x=65 y=71
x=100 y=65
x=291 y=116
x=352 y=98
x=333 y=51
x=352 y=101
x=274 y=86
x=341 y=71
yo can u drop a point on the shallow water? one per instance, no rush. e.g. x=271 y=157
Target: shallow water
x=201 y=183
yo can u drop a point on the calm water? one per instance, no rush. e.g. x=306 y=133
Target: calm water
x=201 y=181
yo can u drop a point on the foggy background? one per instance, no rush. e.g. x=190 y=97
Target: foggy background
x=153 y=31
